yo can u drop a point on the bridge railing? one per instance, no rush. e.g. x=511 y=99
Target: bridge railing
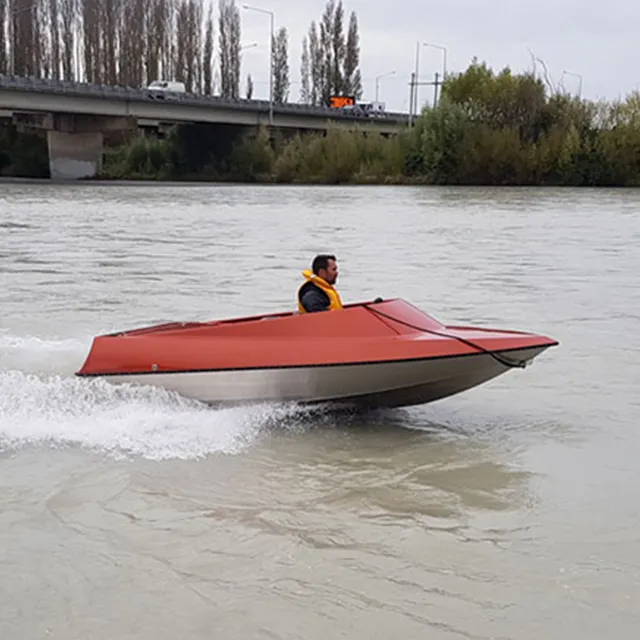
x=115 y=92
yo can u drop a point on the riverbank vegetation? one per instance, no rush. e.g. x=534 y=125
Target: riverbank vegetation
x=487 y=129
x=23 y=154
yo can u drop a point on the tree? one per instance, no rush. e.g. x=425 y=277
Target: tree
x=3 y=43
x=69 y=25
x=134 y=64
x=133 y=42
x=502 y=100
x=54 y=25
x=25 y=20
x=336 y=77
x=91 y=33
x=326 y=51
x=229 y=48
x=163 y=27
x=207 y=56
x=281 y=66
x=333 y=62
x=352 y=80
x=316 y=64
x=305 y=72
x=193 y=56
x=182 y=43
x=108 y=18
x=155 y=15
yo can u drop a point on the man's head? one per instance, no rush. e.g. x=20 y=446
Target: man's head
x=326 y=267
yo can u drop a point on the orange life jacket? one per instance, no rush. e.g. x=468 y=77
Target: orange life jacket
x=321 y=283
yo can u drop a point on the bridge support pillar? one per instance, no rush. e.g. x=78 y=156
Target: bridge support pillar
x=73 y=156
x=75 y=142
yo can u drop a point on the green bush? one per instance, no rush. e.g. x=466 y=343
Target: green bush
x=142 y=158
x=23 y=155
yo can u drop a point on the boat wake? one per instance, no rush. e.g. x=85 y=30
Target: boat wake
x=43 y=404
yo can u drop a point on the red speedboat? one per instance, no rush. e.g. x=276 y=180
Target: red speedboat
x=373 y=354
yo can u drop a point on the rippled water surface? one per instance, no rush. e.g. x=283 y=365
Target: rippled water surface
x=510 y=511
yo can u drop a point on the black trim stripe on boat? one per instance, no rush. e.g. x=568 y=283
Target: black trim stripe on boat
x=316 y=365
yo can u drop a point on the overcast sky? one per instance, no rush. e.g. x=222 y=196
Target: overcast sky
x=598 y=40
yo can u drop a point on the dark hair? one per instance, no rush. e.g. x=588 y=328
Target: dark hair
x=321 y=262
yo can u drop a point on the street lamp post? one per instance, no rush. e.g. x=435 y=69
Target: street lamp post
x=414 y=95
x=444 y=68
x=272 y=20
x=417 y=73
x=384 y=75
x=444 y=57
x=576 y=75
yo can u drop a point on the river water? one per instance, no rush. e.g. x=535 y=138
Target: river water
x=511 y=511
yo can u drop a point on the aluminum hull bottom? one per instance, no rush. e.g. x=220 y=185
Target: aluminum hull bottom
x=379 y=385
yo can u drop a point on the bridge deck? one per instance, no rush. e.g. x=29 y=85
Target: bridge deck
x=17 y=93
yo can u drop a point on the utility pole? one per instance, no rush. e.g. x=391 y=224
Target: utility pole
x=417 y=76
x=413 y=100
x=411 y=90
x=437 y=82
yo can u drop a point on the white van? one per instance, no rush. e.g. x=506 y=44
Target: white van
x=366 y=108
x=167 y=85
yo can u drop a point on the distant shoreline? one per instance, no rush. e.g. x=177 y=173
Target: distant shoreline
x=488 y=130
x=101 y=182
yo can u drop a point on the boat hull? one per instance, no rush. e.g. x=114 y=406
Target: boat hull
x=383 y=354
x=371 y=385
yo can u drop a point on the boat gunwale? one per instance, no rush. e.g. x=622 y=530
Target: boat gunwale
x=548 y=342
x=277 y=315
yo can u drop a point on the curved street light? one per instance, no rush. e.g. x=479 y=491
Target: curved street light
x=575 y=75
x=417 y=73
x=383 y=75
x=272 y=16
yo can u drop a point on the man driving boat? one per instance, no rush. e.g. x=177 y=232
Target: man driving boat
x=318 y=293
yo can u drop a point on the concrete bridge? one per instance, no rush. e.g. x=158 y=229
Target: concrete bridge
x=76 y=116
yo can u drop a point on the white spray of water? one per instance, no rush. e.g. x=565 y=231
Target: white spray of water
x=41 y=403
x=38 y=355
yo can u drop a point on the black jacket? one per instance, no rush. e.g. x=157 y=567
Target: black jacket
x=313 y=298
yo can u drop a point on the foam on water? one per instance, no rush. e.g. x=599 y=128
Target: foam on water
x=39 y=355
x=41 y=403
